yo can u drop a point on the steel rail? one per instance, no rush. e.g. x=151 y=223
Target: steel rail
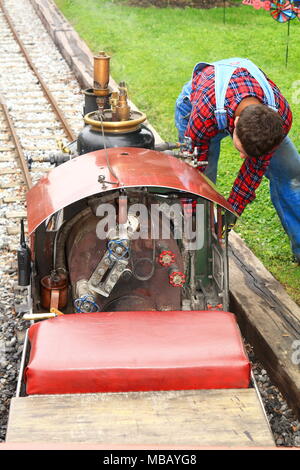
x=17 y=144
x=45 y=89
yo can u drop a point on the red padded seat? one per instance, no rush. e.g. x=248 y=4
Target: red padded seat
x=136 y=351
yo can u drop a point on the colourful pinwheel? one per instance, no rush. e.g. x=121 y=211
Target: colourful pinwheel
x=282 y=11
x=296 y=7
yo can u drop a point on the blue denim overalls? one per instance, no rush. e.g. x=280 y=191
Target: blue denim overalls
x=284 y=169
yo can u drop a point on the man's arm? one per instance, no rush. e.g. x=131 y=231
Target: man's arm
x=201 y=128
x=247 y=181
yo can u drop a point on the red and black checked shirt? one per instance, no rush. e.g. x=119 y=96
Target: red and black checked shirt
x=202 y=125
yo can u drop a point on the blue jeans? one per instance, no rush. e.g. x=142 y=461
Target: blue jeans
x=284 y=177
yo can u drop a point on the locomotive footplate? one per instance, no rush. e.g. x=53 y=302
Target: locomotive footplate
x=223 y=417
x=198 y=418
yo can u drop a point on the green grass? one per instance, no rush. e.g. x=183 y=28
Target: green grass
x=154 y=51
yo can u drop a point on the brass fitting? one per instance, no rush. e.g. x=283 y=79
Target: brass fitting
x=101 y=74
x=117 y=117
x=113 y=101
x=123 y=110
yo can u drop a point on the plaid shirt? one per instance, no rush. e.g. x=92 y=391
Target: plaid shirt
x=202 y=125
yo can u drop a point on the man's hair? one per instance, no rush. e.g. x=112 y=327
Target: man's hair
x=259 y=129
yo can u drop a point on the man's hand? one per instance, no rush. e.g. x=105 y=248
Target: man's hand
x=229 y=221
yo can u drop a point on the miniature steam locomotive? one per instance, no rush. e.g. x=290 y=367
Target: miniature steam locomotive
x=127 y=266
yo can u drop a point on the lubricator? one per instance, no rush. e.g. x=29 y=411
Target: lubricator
x=109 y=119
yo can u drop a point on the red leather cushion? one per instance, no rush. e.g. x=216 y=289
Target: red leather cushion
x=136 y=351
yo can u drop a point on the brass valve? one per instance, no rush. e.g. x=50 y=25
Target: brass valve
x=113 y=101
x=166 y=258
x=176 y=278
x=123 y=110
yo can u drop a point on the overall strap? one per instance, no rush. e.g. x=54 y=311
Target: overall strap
x=263 y=82
x=223 y=73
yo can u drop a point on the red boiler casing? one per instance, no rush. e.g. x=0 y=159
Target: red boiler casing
x=133 y=167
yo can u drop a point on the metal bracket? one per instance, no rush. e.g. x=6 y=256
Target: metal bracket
x=107 y=286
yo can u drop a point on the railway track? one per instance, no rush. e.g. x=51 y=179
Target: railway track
x=37 y=104
x=40 y=106
x=30 y=128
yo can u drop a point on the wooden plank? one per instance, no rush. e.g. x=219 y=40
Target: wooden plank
x=13 y=247
x=41 y=169
x=259 y=317
x=7 y=158
x=8 y=185
x=13 y=230
x=9 y=171
x=268 y=318
x=16 y=214
x=192 y=417
x=8 y=148
x=13 y=199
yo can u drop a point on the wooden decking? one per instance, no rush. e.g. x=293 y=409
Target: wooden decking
x=268 y=318
x=226 y=418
